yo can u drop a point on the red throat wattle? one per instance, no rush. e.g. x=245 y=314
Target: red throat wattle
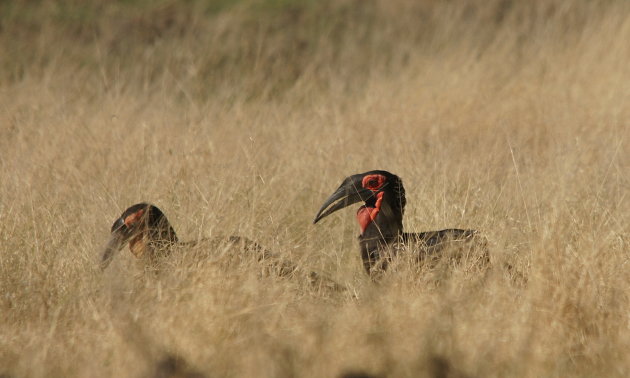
x=366 y=215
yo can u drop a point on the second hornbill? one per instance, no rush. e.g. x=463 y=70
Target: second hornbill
x=151 y=237
x=380 y=219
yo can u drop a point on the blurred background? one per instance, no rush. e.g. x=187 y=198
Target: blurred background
x=246 y=49
x=242 y=117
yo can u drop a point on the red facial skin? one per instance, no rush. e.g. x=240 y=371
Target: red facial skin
x=133 y=218
x=365 y=214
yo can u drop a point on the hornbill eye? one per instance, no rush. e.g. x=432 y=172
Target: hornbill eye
x=373 y=182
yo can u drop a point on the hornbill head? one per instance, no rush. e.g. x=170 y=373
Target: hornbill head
x=381 y=191
x=144 y=227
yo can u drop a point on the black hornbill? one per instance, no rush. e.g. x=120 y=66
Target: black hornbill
x=381 y=224
x=151 y=237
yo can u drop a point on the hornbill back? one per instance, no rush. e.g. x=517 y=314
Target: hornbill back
x=380 y=220
x=150 y=236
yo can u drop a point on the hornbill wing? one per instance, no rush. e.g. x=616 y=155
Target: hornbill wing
x=283 y=267
x=436 y=241
x=279 y=266
x=433 y=238
x=238 y=247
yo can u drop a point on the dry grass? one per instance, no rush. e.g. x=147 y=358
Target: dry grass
x=510 y=118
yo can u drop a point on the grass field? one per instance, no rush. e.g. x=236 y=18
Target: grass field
x=242 y=117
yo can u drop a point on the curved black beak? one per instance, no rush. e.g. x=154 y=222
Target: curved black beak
x=348 y=193
x=116 y=242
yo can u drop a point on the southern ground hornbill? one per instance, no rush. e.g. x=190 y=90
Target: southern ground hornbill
x=152 y=238
x=380 y=219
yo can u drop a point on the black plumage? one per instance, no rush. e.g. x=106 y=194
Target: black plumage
x=381 y=221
